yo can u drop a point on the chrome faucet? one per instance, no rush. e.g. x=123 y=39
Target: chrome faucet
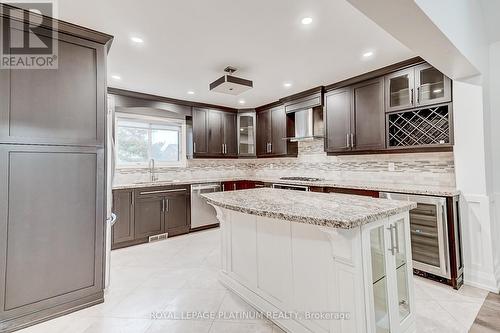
x=152 y=172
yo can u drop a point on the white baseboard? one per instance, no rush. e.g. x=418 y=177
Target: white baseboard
x=482 y=281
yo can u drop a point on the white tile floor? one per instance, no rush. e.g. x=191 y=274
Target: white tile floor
x=180 y=274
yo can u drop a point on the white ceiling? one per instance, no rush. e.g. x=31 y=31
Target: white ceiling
x=187 y=44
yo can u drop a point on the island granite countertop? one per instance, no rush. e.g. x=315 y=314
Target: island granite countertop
x=322 y=209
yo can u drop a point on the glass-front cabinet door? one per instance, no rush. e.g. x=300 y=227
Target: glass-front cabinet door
x=402 y=267
x=379 y=279
x=246 y=134
x=432 y=86
x=399 y=87
x=389 y=288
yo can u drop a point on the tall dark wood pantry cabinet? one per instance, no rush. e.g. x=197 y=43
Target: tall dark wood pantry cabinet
x=52 y=181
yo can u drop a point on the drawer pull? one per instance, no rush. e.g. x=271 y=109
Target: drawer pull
x=163 y=191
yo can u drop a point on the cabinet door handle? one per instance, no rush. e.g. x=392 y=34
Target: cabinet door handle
x=270 y=147
x=194 y=147
x=352 y=140
x=131 y=198
x=348 y=145
x=167 y=205
x=222 y=147
x=396 y=238
x=418 y=95
x=163 y=205
x=223 y=187
x=411 y=96
x=392 y=248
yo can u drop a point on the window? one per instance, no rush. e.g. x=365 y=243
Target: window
x=141 y=139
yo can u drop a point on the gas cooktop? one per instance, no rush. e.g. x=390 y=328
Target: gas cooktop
x=302 y=179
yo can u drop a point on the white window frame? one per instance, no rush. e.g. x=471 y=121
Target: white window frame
x=160 y=121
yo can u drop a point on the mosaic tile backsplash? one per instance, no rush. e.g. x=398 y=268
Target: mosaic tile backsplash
x=417 y=169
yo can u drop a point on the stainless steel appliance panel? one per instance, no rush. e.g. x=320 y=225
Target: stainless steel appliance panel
x=202 y=214
x=429 y=233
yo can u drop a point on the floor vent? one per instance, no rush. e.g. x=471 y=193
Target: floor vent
x=157 y=238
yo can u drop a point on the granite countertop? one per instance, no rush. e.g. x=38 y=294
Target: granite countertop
x=323 y=209
x=359 y=185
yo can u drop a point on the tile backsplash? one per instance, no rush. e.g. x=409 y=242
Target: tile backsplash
x=415 y=168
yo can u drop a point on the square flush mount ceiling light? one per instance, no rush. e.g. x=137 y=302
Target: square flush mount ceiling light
x=229 y=84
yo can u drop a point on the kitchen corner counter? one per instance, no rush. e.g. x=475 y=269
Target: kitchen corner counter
x=434 y=190
x=322 y=209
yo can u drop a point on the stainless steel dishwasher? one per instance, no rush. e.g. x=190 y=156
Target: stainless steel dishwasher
x=202 y=214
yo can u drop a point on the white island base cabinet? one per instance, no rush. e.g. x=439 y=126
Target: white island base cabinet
x=309 y=278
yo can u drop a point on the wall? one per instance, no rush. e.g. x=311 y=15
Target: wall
x=420 y=169
x=494 y=88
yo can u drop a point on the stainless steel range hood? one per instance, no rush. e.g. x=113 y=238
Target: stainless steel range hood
x=308 y=124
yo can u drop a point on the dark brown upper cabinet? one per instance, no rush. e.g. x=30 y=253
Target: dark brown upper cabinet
x=273 y=127
x=305 y=100
x=400 y=87
x=230 y=135
x=214 y=133
x=263 y=132
x=200 y=131
x=415 y=87
x=432 y=86
x=338 y=120
x=368 y=126
x=355 y=117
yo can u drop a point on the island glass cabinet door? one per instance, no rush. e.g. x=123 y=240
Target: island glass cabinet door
x=389 y=293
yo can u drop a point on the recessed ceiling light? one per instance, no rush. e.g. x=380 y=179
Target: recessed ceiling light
x=307 y=20
x=190 y=92
x=437 y=91
x=116 y=77
x=241 y=102
x=287 y=84
x=137 y=40
x=368 y=54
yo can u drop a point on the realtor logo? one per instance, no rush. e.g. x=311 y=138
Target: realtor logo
x=28 y=37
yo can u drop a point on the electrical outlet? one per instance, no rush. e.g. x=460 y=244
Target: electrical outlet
x=391 y=166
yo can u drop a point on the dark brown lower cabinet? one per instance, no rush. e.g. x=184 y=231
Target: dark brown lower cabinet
x=366 y=193
x=177 y=213
x=239 y=185
x=123 y=229
x=149 y=217
x=146 y=212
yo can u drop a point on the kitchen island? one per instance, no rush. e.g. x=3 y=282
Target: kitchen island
x=318 y=262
